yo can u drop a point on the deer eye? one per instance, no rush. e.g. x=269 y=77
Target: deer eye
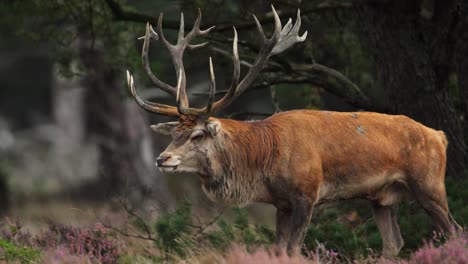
x=198 y=136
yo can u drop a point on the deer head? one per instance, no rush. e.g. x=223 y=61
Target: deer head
x=196 y=137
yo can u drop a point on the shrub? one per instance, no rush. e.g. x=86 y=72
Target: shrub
x=173 y=230
x=92 y=242
x=62 y=255
x=239 y=232
x=12 y=231
x=453 y=250
x=176 y=233
x=340 y=235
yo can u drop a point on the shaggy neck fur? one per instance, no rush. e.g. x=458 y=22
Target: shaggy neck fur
x=238 y=161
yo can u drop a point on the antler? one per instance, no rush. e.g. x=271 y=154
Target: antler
x=177 y=53
x=282 y=39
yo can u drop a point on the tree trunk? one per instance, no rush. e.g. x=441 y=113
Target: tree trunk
x=413 y=52
x=462 y=75
x=4 y=193
x=462 y=64
x=120 y=130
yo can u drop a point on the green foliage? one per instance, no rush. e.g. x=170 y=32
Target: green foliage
x=69 y=28
x=240 y=231
x=13 y=253
x=341 y=237
x=173 y=230
x=176 y=235
x=457 y=194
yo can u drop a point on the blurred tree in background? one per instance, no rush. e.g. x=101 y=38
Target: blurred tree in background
x=397 y=57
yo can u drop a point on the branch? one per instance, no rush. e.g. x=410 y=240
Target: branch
x=327 y=78
x=127 y=15
x=202 y=228
x=130 y=212
x=109 y=226
x=319 y=75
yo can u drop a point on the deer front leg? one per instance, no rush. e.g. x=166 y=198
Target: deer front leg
x=283 y=223
x=301 y=214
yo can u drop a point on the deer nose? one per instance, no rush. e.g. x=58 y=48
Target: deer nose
x=161 y=159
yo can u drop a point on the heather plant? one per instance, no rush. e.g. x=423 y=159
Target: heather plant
x=453 y=250
x=62 y=255
x=93 y=242
x=13 y=232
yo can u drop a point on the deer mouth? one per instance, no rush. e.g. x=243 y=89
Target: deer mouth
x=167 y=168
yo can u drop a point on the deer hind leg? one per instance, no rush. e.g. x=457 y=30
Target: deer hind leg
x=386 y=220
x=434 y=201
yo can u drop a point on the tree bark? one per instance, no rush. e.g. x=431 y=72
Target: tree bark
x=462 y=64
x=413 y=51
x=4 y=193
x=121 y=132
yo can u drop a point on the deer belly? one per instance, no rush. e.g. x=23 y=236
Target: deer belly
x=384 y=188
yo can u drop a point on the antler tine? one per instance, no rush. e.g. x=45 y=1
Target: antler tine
x=276 y=34
x=181 y=28
x=259 y=28
x=286 y=29
x=177 y=52
x=289 y=38
x=196 y=31
x=149 y=106
x=183 y=110
x=212 y=89
x=144 y=57
x=160 y=32
x=153 y=33
x=262 y=57
x=235 y=76
x=180 y=107
x=196 y=46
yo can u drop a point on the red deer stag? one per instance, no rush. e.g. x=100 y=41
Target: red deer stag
x=296 y=159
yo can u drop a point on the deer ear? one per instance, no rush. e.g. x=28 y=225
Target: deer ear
x=213 y=127
x=165 y=128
